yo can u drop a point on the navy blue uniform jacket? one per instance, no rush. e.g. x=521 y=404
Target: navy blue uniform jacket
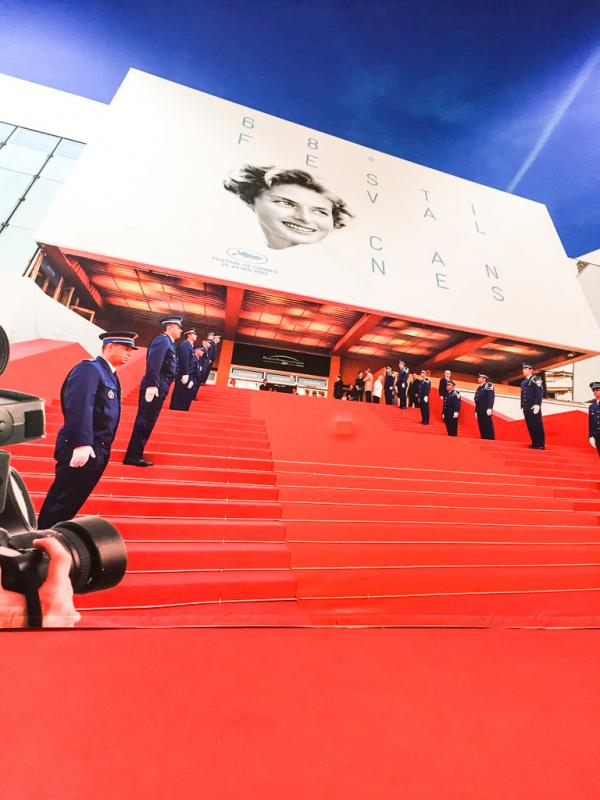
x=91 y=404
x=402 y=377
x=484 y=396
x=161 y=363
x=451 y=404
x=424 y=388
x=185 y=358
x=532 y=392
x=202 y=366
x=594 y=419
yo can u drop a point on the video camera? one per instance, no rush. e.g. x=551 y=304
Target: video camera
x=98 y=554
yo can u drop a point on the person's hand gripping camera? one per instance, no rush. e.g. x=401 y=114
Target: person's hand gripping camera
x=55 y=593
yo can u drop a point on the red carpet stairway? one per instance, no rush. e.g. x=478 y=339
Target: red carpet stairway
x=455 y=532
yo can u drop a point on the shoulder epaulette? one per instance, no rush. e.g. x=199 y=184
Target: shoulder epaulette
x=489 y=385
x=537 y=380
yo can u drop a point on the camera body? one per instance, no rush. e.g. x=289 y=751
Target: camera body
x=98 y=554
x=22 y=570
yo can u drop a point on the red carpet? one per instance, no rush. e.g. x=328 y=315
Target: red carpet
x=301 y=714
x=269 y=509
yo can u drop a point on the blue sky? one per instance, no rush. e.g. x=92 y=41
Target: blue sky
x=490 y=91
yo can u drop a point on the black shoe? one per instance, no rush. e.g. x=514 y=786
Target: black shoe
x=140 y=462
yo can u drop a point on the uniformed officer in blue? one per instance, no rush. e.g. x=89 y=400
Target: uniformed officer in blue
x=402 y=382
x=532 y=393
x=202 y=365
x=388 y=386
x=484 y=406
x=90 y=399
x=198 y=365
x=594 y=417
x=161 y=369
x=451 y=407
x=210 y=345
x=210 y=349
x=424 y=391
x=184 y=383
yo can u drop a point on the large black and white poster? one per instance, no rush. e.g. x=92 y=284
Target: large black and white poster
x=184 y=181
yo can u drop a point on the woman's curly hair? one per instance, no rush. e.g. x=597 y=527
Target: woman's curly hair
x=248 y=181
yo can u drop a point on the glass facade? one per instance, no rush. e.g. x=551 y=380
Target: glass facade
x=33 y=167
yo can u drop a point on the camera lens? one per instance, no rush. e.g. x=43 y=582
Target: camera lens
x=98 y=553
x=96 y=549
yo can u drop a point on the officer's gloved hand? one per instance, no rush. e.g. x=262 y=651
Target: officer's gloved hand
x=592 y=441
x=151 y=393
x=185 y=378
x=535 y=409
x=81 y=455
x=190 y=384
x=455 y=415
x=489 y=412
x=425 y=399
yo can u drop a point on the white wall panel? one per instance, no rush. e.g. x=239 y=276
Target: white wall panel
x=423 y=244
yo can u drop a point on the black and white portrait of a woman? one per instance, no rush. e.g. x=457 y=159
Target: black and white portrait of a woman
x=291 y=206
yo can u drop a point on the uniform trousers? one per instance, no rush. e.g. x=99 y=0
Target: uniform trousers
x=144 y=423
x=199 y=381
x=179 y=396
x=72 y=486
x=535 y=426
x=195 y=390
x=402 y=396
x=451 y=426
x=486 y=425
x=424 y=413
x=389 y=397
x=597 y=438
x=182 y=396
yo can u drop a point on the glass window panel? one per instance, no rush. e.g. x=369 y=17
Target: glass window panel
x=69 y=149
x=247 y=374
x=241 y=384
x=34 y=140
x=21 y=159
x=5 y=131
x=273 y=377
x=58 y=168
x=314 y=383
x=13 y=185
x=17 y=247
x=37 y=201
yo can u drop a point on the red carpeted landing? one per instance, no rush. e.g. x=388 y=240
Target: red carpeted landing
x=300 y=715
x=270 y=509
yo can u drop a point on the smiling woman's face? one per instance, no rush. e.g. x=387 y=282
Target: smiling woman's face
x=291 y=214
